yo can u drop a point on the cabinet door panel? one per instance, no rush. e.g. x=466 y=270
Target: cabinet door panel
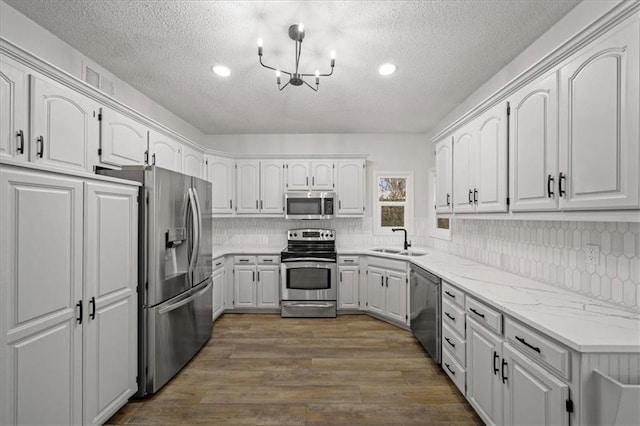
x=444 y=176
x=220 y=172
x=110 y=338
x=40 y=284
x=243 y=284
x=192 y=162
x=123 y=141
x=533 y=396
x=268 y=287
x=396 y=292
x=298 y=176
x=351 y=177
x=490 y=154
x=462 y=170
x=348 y=289
x=14 y=139
x=322 y=176
x=375 y=290
x=166 y=152
x=218 y=292
x=600 y=95
x=533 y=146
x=248 y=186
x=272 y=187
x=64 y=125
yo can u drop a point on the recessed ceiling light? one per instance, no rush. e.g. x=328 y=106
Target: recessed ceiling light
x=221 y=70
x=387 y=69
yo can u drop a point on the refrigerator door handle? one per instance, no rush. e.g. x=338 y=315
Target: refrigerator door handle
x=194 y=224
x=184 y=301
x=199 y=233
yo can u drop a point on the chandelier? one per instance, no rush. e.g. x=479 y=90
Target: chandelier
x=296 y=78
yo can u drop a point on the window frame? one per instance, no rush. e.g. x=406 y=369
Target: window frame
x=408 y=204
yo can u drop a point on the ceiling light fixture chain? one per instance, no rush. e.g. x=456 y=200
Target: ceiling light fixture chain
x=296 y=33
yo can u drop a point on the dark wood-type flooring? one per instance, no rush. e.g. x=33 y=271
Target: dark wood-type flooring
x=267 y=370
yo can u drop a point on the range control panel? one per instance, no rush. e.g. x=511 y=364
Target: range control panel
x=308 y=234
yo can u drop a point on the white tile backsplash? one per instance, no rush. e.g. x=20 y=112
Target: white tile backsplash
x=548 y=251
x=553 y=252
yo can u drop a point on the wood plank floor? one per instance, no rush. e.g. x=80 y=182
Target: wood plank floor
x=267 y=370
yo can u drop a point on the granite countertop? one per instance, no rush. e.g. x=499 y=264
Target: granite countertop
x=579 y=322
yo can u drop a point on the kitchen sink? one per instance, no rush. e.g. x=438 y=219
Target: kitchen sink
x=399 y=251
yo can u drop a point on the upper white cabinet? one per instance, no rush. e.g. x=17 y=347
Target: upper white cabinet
x=14 y=96
x=64 y=125
x=480 y=163
x=165 y=152
x=123 y=141
x=192 y=162
x=221 y=174
x=444 y=175
x=260 y=187
x=599 y=125
x=305 y=175
x=351 y=187
x=533 y=146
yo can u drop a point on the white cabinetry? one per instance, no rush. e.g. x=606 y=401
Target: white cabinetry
x=260 y=187
x=123 y=141
x=599 y=126
x=218 y=281
x=315 y=175
x=464 y=162
x=256 y=281
x=533 y=146
x=165 y=152
x=387 y=289
x=14 y=96
x=69 y=306
x=64 y=125
x=444 y=175
x=351 y=187
x=192 y=162
x=221 y=174
x=349 y=282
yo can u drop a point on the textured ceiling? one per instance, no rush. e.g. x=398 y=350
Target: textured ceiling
x=444 y=51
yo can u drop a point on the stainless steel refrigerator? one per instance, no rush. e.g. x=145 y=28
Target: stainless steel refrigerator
x=175 y=286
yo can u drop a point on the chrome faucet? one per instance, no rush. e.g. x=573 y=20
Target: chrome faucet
x=407 y=244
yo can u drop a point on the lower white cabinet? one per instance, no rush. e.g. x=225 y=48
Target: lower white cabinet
x=218 y=277
x=532 y=395
x=387 y=289
x=68 y=298
x=256 y=282
x=348 y=282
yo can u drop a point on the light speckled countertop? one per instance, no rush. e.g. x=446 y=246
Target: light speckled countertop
x=579 y=322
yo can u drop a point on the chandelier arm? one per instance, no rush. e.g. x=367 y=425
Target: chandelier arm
x=274 y=69
x=315 y=89
x=281 y=88
x=319 y=75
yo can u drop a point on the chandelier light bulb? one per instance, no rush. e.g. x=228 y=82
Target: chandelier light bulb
x=317 y=77
x=260 y=47
x=333 y=58
x=278 y=77
x=300 y=27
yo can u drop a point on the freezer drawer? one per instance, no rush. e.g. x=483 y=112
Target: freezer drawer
x=177 y=328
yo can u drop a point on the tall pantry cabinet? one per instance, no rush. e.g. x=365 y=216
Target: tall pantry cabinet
x=68 y=322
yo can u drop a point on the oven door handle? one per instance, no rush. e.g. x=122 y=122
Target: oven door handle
x=310 y=259
x=311 y=305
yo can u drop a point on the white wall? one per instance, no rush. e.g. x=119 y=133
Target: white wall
x=25 y=33
x=397 y=152
x=577 y=19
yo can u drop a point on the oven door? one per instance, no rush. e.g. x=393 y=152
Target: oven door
x=309 y=280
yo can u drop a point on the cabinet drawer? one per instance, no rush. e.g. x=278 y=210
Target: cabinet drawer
x=453 y=317
x=454 y=344
x=452 y=294
x=485 y=315
x=244 y=260
x=269 y=260
x=454 y=370
x=383 y=263
x=538 y=347
x=218 y=263
x=348 y=260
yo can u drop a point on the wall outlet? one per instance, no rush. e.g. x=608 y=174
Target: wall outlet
x=592 y=254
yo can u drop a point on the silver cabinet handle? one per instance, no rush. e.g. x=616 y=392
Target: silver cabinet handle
x=20 y=136
x=40 y=151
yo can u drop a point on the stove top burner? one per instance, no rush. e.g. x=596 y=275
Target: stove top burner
x=310 y=244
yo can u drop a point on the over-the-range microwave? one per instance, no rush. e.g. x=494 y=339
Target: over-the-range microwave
x=309 y=205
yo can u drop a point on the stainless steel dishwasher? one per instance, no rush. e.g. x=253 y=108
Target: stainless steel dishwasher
x=425 y=310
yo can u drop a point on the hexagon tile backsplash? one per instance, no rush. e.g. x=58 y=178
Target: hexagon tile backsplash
x=553 y=252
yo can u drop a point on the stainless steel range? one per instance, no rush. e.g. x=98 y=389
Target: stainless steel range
x=309 y=274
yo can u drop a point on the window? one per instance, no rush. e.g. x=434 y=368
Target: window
x=439 y=227
x=393 y=201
